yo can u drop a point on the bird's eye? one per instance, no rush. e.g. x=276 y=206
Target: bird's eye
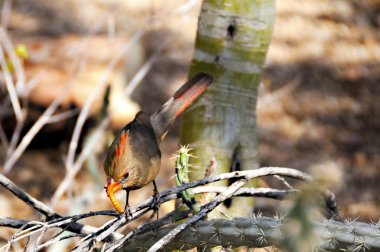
x=125 y=176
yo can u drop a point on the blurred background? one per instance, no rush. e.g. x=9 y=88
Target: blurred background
x=318 y=108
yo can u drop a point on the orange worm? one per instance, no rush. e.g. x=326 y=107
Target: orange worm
x=115 y=203
x=111 y=189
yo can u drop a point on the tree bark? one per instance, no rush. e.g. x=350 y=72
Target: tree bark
x=231 y=44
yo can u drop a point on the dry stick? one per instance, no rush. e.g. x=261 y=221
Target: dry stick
x=18 y=223
x=38 y=240
x=9 y=82
x=286 y=184
x=16 y=62
x=21 y=194
x=14 y=93
x=247 y=192
x=42 y=120
x=14 y=223
x=20 y=124
x=5 y=13
x=35 y=227
x=42 y=208
x=54 y=240
x=63 y=116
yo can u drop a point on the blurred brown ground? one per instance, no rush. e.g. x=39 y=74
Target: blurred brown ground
x=319 y=105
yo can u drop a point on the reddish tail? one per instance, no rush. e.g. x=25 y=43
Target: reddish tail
x=183 y=98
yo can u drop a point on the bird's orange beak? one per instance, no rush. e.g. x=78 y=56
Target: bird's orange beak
x=111 y=188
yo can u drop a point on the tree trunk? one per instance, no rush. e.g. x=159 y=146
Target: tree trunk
x=231 y=44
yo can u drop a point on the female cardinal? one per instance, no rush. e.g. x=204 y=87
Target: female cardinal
x=134 y=157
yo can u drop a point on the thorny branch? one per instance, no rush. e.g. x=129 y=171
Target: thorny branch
x=107 y=231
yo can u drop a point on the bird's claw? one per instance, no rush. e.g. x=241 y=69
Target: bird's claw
x=156 y=203
x=127 y=211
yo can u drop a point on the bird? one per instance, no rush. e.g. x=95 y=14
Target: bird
x=133 y=159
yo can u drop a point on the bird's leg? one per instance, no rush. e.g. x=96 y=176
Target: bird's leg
x=156 y=198
x=127 y=209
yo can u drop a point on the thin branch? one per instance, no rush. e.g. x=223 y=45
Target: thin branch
x=63 y=116
x=5 y=13
x=54 y=240
x=265 y=171
x=44 y=209
x=16 y=62
x=37 y=126
x=286 y=184
x=13 y=223
x=28 y=199
x=248 y=192
x=9 y=81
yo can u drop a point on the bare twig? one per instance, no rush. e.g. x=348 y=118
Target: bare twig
x=44 y=209
x=16 y=62
x=63 y=116
x=42 y=120
x=9 y=81
x=247 y=192
x=21 y=194
x=286 y=184
x=5 y=13
x=54 y=240
x=14 y=223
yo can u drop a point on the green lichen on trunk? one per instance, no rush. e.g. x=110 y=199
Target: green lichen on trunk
x=231 y=44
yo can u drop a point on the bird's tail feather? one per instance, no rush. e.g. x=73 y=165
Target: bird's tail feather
x=183 y=98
